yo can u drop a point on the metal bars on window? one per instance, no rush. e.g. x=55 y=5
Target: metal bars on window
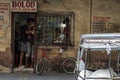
x=55 y=29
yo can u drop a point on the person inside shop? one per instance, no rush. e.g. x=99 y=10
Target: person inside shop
x=23 y=43
x=24 y=40
x=30 y=42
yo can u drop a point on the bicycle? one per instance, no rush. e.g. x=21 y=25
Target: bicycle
x=68 y=64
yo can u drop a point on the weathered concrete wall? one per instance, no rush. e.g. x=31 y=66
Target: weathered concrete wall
x=81 y=8
x=5 y=35
x=104 y=9
x=108 y=10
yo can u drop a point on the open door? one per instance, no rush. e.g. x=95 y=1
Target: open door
x=18 y=20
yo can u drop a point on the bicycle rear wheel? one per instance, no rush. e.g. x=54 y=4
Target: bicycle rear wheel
x=40 y=66
x=69 y=65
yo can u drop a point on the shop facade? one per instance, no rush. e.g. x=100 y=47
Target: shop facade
x=47 y=30
x=85 y=17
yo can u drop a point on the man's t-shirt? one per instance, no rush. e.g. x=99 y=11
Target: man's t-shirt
x=30 y=36
x=23 y=33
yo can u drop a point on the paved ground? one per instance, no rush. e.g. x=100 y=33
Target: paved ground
x=32 y=76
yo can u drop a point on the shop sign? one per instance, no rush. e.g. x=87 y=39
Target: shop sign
x=4 y=14
x=23 y=6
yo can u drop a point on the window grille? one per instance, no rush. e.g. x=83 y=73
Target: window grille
x=51 y=30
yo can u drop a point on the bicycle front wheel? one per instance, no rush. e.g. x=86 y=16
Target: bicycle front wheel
x=40 y=66
x=69 y=65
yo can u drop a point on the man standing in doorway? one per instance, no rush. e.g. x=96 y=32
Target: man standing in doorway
x=30 y=42
x=24 y=39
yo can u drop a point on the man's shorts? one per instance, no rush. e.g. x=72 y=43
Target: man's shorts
x=23 y=46
x=30 y=50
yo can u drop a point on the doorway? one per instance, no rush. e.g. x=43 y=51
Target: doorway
x=19 y=19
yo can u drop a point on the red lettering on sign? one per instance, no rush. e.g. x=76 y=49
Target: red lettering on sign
x=27 y=4
x=23 y=4
x=13 y=4
x=32 y=4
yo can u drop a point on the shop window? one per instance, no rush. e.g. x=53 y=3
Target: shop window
x=55 y=29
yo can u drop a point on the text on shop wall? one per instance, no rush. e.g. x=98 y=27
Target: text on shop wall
x=23 y=6
x=100 y=20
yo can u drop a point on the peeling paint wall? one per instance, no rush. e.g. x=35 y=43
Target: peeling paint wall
x=5 y=35
x=4 y=26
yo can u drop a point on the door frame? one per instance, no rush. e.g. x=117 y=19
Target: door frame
x=13 y=37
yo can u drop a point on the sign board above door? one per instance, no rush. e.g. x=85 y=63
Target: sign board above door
x=23 y=6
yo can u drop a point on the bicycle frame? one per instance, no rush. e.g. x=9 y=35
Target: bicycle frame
x=67 y=64
x=43 y=55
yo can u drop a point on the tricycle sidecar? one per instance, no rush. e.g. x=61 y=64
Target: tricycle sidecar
x=97 y=42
